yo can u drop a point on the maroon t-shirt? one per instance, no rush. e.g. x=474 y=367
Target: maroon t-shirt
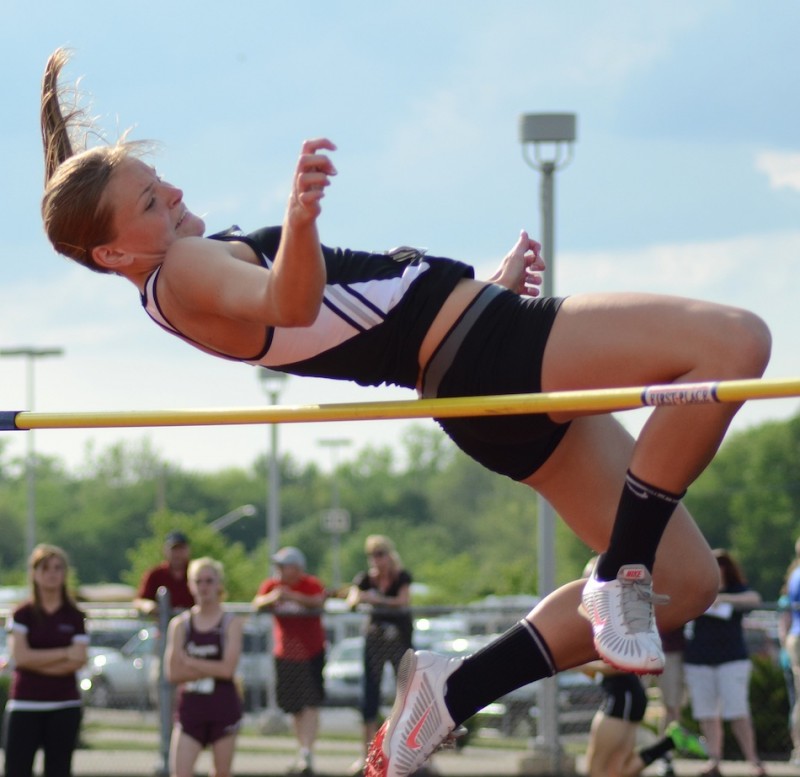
x=180 y=596
x=47 y=630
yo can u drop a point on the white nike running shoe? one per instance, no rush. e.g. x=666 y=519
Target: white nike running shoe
x=419 y=722
x=623 y=623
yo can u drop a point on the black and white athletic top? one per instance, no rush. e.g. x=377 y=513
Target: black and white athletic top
x=376 y=310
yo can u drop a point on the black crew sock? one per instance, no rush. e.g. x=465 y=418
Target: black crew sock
x=656 y=751
x=642 y=516
x=514 y=659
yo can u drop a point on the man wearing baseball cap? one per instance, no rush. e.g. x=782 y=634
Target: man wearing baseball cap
x=171 y=574
x=295 y=599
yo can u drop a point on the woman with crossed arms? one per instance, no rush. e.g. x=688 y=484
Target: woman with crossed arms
x=203 y=648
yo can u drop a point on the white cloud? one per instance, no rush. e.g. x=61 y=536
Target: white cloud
x=781 y=168
x=728 y=270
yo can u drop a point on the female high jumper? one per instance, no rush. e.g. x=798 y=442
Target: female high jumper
x=278 y=298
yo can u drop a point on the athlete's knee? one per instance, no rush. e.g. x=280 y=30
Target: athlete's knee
x=704 y=585
x=745 y=344
x=691 y=594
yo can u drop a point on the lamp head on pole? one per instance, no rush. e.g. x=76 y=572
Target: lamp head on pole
x=272 y=381
x=32 y=352
x=551 y=132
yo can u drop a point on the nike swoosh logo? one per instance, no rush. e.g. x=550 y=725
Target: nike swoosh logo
x=411 y=740
x=637 y=491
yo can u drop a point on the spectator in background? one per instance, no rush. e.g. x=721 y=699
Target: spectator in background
x=790 y=632
x=48 y=644
x=295 y=599
x=171 y=574
x=673 y=689
x=386 y=587
x=612 y=739
x=718 y=668
x=203 y=648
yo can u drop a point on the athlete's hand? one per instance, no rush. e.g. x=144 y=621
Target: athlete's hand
x=312 y=175
x=520 y=271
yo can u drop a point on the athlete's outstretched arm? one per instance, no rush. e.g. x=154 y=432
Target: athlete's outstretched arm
x=202 y=277
x=298 y=275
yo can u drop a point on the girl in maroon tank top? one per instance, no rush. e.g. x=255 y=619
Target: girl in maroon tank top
x=203 y=649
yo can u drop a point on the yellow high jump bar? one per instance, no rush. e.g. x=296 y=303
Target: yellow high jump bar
x=589 y=401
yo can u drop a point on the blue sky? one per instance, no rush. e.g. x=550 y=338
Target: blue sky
x=685 y=177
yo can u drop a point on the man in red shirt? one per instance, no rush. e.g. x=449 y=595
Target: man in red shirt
x=296 y=598
x=171 y=574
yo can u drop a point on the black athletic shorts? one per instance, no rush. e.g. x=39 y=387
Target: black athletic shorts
x=300 y=683
x=497 y=347
x=625 y=697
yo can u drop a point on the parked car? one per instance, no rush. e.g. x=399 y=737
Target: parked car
x=129 y=677
x=120 y=678
x=430 y=631
x=112 y=632
x=344 y=675
x=578 y=696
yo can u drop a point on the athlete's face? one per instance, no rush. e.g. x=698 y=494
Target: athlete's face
x=149 y=214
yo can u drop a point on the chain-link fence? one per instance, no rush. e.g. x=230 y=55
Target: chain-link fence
x=124 y=668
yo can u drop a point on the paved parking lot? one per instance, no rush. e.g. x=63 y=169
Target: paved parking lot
x=266 y=755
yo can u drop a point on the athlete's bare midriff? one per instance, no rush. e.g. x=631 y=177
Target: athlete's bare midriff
x=461 y=296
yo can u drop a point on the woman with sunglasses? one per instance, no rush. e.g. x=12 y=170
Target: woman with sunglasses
x=385 y=587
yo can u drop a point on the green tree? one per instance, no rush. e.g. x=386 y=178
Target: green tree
x=748 y=501
x=241 y=574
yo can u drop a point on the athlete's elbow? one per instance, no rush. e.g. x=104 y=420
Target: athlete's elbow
x=299 y=313
x=293 y=305
x=302 y=318
x=295 y=319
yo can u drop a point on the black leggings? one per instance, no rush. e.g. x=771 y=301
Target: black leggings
x=54 y=731
x=381 y=645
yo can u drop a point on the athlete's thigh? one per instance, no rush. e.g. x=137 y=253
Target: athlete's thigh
x=583 y=480
x=601 y=340
x=583 y=477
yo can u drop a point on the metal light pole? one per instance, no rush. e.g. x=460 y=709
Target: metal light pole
x=31 y=354
x=272 y=382
x=547 y=140
x=336 y=521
